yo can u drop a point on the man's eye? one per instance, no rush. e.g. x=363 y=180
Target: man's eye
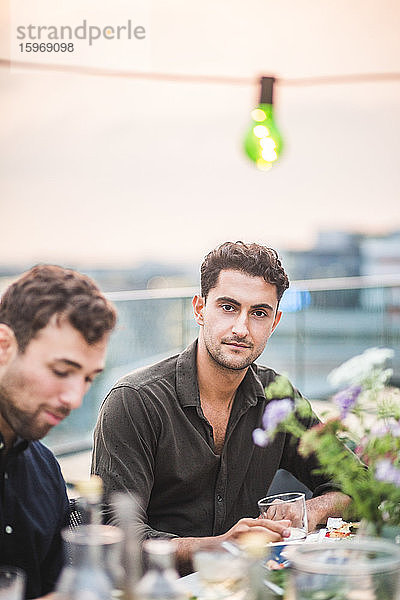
x=227 y=307
x=60 y=373
x=89 y=380
x=260 y=313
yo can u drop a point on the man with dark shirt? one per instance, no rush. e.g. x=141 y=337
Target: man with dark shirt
x=178 y=434
x=54 y=328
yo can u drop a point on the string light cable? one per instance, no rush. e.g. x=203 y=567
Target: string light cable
x=349 y=78
x=263 y=142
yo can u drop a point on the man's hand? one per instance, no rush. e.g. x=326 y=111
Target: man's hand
x=331 y=504
x=275 y=531
x=279 y=510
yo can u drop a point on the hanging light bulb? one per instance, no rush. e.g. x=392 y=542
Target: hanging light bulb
x=263 y=142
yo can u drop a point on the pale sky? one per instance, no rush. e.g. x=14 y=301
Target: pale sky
x=113 y=171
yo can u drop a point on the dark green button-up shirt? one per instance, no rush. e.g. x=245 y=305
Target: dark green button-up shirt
x=153 y=439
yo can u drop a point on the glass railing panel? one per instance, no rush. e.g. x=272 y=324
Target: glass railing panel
x=334 y=326
x=147 y=331
x=319 y=329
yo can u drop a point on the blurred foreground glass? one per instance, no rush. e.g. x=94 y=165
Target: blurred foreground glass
x=345 y=570
x=93 y=563
x=287 y=506
x=160 y=580
x=221 y=573
x=12 y=583
x=125 y=508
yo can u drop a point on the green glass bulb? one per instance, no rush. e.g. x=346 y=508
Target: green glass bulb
x=263 y=142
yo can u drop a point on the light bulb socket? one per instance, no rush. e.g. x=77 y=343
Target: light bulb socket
x=267 y=88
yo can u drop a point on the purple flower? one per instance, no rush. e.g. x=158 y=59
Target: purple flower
x=394 y=429
x=346 y=399
x=260 y=437
x=276 y=411
x=380 y=429
x=387 y=472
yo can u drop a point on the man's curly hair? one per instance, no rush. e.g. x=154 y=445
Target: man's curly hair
x=46 y=290
x=252 y=259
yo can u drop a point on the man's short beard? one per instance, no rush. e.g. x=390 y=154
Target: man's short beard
x=4 y=406
x=226 y=364
x=18 y=422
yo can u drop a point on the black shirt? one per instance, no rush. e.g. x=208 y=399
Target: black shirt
x=33 y=509
x=153 y=439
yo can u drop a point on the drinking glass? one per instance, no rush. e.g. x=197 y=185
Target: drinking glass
x=287 y=506
x=365 y=569
x=221 y=573
x=12 y=583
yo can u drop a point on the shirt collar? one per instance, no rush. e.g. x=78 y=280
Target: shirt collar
x=188 y=389
x=251 y=386
x=19 y=444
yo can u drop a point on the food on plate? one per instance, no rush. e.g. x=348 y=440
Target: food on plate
x=337 y=528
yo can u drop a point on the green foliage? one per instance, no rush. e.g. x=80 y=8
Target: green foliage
x=368 y=422
x=279 y=388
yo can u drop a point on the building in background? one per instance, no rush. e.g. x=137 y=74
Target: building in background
x=335 y=254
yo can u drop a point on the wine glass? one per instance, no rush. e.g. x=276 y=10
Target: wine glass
x=221 y=573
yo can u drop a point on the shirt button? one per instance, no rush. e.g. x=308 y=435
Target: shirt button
x=9 y=529
x=5 y=475
x=1 y=445
x=219 y=498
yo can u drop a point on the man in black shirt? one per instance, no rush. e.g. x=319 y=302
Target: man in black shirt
x=54 y=328
x=178 y=434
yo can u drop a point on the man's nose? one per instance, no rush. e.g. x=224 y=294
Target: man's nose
x=240 y=325
x=72 y=395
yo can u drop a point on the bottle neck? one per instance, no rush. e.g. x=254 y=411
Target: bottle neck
x=89 y=503
x=161 y=562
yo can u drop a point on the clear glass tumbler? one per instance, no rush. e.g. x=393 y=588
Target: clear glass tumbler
x=287 y=506
x=221 y=574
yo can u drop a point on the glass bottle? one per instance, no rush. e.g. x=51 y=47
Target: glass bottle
x=92 y=568
x=89 y=502
x=160 y=580
x=125 y=512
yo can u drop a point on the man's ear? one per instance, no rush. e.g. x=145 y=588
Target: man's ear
x=276 y=320
x=198 y=307
x=8 y=345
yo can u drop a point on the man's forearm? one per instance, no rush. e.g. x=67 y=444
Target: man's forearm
x=184 y=552
x=331 y=504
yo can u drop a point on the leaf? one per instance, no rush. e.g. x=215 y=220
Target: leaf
x=279 y=388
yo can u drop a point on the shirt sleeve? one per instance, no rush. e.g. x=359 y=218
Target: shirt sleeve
x=125 y=446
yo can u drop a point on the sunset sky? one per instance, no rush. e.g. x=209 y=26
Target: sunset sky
x=116 y=170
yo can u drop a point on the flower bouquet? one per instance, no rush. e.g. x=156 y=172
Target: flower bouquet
x=365 y=419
